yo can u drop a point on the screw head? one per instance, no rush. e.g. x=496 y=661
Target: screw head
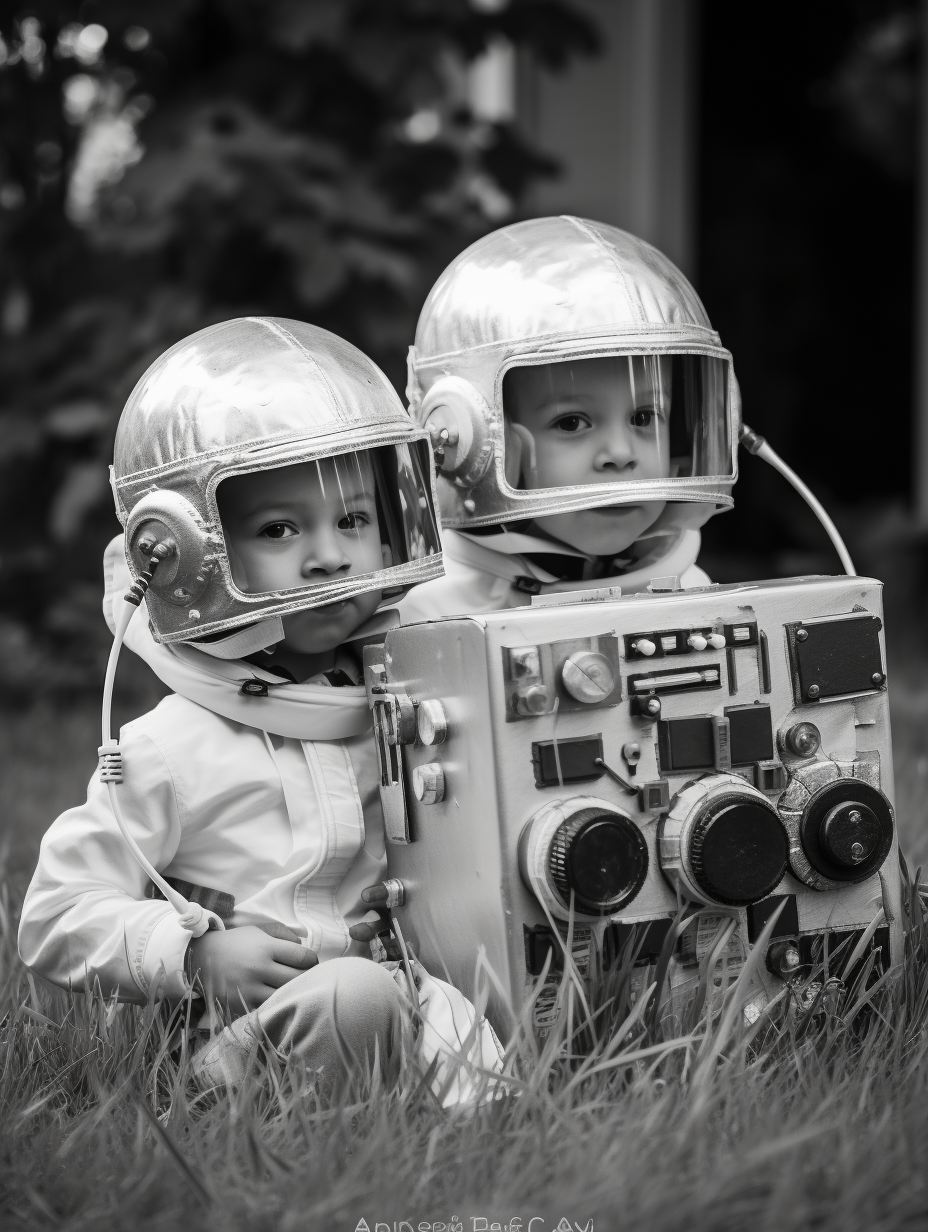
x=813 y=690
x=857 y=851
x=877 y=677
x=802 y=635
x=653 y=705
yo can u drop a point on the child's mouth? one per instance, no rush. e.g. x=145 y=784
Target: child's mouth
x=613 y=510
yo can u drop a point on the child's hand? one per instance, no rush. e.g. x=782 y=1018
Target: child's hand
x=241 y=967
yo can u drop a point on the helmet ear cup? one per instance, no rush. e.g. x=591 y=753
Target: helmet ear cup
x=458 y=420
x=167 y=517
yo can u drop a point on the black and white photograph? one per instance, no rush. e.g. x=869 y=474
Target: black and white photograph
x=463 y=574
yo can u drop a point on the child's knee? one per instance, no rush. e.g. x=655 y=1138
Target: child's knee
x=365 y=993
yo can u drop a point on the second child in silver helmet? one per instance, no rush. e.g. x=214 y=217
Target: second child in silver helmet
x=583 y=412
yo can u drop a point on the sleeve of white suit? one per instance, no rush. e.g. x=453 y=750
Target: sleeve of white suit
x=85 y=917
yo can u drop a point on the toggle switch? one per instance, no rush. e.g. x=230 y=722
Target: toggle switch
x=716 y=640
x=696 y=641
x=644 y=646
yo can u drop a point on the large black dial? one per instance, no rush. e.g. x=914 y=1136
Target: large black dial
x=601 y=857
x=738 y=849
x=847 y=830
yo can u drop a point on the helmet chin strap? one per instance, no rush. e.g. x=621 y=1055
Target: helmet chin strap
x=758 y=446
x=191 y=916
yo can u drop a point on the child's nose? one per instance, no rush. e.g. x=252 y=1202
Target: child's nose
x=325 y=555
x=615 y=451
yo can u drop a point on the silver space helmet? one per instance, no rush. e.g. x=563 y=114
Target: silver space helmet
x=659 y=407
x=254 y=395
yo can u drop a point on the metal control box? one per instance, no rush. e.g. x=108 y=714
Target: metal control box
x=727 y=746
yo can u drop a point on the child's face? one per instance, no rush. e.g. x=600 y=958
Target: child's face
x=290 y=527
x=585 y=422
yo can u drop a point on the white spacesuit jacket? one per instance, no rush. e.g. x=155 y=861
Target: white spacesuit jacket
x=480 y=572
x=289 y=824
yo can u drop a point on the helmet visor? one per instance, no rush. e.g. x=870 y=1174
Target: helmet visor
x=627 y=419
x=332 y=527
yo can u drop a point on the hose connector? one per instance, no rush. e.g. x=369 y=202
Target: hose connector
x=110 y=756
x=137 y=591
x=752 y=441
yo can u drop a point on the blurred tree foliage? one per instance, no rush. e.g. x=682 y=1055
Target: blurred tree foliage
x=168 y=164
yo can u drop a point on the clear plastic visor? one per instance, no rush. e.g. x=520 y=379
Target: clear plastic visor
x=617 y=419
x=351 y=518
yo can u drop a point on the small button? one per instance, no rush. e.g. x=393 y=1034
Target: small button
x=535 y=700
x=644 y=646
x=696 y=641
x=716 y=640
x=428 y=783
x=431 y=724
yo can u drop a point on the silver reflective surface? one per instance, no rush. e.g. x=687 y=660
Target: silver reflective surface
x=247 y=396
x=547 y=291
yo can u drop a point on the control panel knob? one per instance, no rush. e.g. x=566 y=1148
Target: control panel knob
x=428 y=783
x=588 y=677
x=599 y=859
x=716 y=640
x=846 y=831
x=431 y=724
x=644 y=646
x=851 y=833
x=535 y=700
x=723 y=842
x=585 y=854
x=696 y=641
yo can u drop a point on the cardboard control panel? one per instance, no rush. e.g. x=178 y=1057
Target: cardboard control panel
x=727 y=746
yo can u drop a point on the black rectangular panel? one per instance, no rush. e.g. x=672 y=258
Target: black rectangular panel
x=539 y=942
x=577 y=756
x=686 y=744
x=648 y=940
x=751 y=734
x=759 y=913
x=832 y=658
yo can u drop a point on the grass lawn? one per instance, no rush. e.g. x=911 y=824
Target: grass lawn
x=821 y=1127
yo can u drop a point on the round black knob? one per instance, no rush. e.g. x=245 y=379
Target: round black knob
x=851 y=833
x=602 y=857
x=847 y=830
x=738 y=850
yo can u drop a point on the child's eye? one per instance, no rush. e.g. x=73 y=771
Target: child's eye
x=571 y=423
x=642 y=418
x=277 y=530
x=353 y=521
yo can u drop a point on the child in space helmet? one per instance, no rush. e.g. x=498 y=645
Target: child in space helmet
x=271 y=472
x=583 y=412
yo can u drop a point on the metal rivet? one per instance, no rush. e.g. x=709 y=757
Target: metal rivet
x=801 y=635
x=813 y=690
x=877 y=677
